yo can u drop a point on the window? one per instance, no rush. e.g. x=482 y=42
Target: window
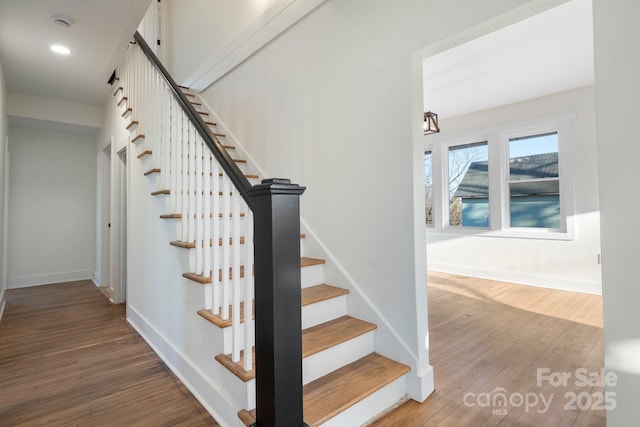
x=428 y=187
x=468 y=170
x=509 y=181
x=534 y=182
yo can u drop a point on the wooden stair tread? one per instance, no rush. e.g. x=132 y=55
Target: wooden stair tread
x=248 y=176
x=323 y=292
x=315 y=293
x=145 y=153
x=199 y=278
x=152 y=171
x=132 y=124
x=138 y=137
x=118 y=90
x=192 y=245
x=327 y=396
x=329 y=334
x=123 y=99
x=178 y=216
x=314 y=340
x=210 y=123
x=165 y=191
x=159 y=192
x=308 y=262
x=217 y=319
x=206 y=280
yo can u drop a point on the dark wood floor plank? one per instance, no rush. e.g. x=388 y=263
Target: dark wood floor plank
x=68 y=357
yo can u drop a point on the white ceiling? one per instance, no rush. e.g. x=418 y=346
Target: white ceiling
x=100 y=31
x=548 y=53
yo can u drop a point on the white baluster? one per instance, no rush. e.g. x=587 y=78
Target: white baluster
x=215 y=256
x=199 y=201
x=208 y=219
x=175 y=153
x=185 y=177
x=248 y=289
x=236 y=286
x=226 y=235
x=192 y=184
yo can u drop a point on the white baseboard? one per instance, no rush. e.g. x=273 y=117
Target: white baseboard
x=522 y=279
x=45 y=279
x=188 y=372
x=96 y=279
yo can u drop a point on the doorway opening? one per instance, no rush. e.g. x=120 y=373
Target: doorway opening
x=119 y=228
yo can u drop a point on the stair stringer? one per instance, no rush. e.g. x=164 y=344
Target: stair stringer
x=388 y=342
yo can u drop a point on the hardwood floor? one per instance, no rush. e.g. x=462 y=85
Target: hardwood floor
x=68 y=357
x=486 y=335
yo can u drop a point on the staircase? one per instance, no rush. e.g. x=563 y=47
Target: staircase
x=346 y=383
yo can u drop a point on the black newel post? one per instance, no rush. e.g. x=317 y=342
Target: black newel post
x=276 y=213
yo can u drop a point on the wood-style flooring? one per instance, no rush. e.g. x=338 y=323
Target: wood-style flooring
x=485 y=336
x=69 y=358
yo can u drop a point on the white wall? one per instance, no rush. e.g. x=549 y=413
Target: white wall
x=617 y=92
x=21 y=105
x=200 y=29
x=570 y=265
x=51 y=207
x=4 y=130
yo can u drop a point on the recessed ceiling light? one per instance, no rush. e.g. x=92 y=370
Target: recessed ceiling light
x=62 y=50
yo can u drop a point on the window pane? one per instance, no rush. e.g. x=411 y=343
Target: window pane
x=533 y=157
x=535 y=211
x=469 y=185
x=534 y=185
x=428 y=186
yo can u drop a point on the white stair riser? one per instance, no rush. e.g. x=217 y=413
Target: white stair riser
x=312 y=275
x=371 y=407
x=323 y=311
x=320 y=364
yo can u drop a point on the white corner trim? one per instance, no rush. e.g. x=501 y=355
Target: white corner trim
x=189 y=374
x=274 y=21
x=46 y=279
x=593 y=288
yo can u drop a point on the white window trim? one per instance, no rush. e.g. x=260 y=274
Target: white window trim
x=498 y=140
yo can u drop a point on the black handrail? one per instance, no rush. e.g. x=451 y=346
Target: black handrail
x=228 y=165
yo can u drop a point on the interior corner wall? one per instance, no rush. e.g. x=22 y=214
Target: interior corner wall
x=329 y=104
x=617 y=69
x=4 y=130
x=560 y=264
x=51 y=207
